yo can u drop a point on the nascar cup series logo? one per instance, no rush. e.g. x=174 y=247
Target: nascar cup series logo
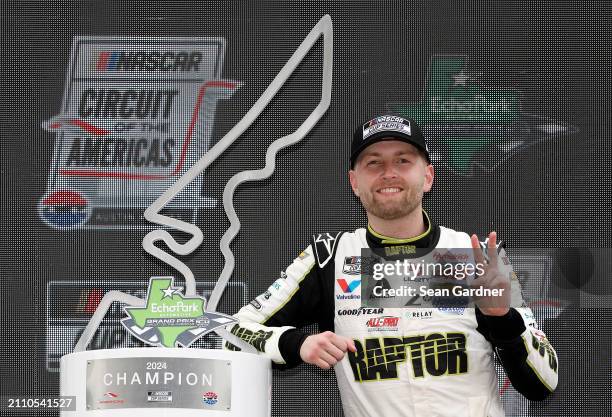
x=468 y=124
x=136 y=114
x=386 y=123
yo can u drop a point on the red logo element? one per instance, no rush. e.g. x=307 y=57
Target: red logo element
x=210 y=398
x=93 y=299
x=62 y=123
x=103 y=61
x=65 y=197
x=384 y=321
x=347 y=288
x=112 y=399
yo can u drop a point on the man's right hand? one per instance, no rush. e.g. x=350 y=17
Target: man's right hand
x=325 y=349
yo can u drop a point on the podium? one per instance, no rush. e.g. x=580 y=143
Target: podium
x=166 y=382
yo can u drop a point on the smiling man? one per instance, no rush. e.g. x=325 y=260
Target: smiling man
x=390 y=172
x=396 y=362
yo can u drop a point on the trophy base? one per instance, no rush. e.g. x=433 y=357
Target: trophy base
x=165 y=382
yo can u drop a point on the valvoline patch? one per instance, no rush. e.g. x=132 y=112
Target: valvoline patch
x=64 y=209
x=348 y=287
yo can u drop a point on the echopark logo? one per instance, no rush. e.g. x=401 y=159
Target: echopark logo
x=348 y=288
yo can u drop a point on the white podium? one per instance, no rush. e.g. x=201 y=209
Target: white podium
x=164 y=382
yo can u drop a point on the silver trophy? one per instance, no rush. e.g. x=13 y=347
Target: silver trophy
x=167 y=379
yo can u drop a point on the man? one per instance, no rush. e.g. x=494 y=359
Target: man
x=430 y=362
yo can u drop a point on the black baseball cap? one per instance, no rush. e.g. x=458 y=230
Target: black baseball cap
x=387 y=127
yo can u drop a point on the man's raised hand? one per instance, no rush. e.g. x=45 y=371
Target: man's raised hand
x=492 y=278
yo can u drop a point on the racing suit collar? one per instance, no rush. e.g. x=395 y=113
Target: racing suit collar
x=427 y=239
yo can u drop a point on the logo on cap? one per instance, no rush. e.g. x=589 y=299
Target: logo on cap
x=386 y=123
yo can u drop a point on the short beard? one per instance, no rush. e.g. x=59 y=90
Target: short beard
x=392 y=210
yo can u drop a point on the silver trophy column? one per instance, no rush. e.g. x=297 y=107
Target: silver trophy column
x=164 y=381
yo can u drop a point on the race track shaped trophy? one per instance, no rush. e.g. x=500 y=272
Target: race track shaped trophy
x=170 y=380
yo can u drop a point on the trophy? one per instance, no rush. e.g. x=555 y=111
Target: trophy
x=169 y=379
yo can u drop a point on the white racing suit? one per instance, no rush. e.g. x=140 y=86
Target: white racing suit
x=409 y=361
